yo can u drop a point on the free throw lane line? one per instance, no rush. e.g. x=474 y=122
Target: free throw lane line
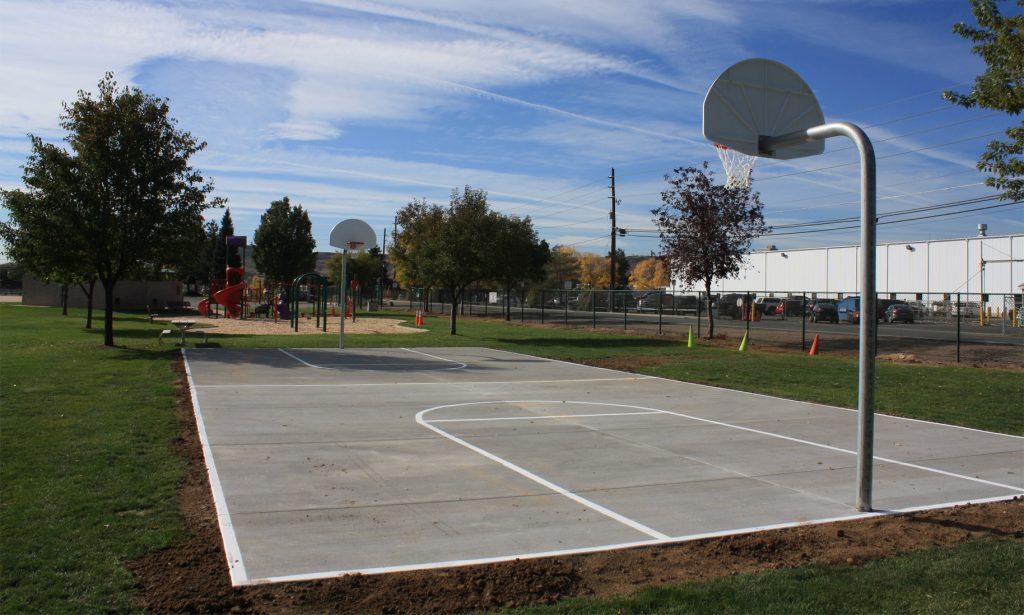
x=636 y=525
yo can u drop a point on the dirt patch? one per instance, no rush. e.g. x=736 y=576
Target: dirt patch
x=307 y=326
x=192 y=577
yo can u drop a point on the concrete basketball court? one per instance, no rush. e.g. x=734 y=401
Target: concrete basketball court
x=325 y=462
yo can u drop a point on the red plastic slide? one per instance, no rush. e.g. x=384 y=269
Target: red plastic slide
x=203 y=307
x=231 y=298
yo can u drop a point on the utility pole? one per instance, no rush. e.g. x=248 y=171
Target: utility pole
x=611 y=279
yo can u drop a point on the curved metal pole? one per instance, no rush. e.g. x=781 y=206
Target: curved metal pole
x=868 y=304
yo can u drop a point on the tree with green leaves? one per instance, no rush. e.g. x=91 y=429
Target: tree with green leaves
x=363 y=269
x=999 y=40
x=127 y=176
x=41 y=233
x=285 y=247
x=515 y=255
x=706 y=229
x=445 y=247
x=225 y=256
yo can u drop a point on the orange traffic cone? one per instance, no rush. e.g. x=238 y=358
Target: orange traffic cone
x=419 y=318
x=814 y=347
x=333 y=311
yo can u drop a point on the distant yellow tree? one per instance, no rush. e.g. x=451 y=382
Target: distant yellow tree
x=564 y=266
x=649 y=274
x=594 y=271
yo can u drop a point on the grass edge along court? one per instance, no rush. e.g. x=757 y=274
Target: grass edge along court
x=88 y=476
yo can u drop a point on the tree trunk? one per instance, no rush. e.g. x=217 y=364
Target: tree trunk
x=508 y=302
x=64 y=299
x=456 y=298
x=108 y=312
x=711 y=316
x=88 y=301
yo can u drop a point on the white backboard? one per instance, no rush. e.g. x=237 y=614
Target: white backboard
x=761 y=98
x=353 y=235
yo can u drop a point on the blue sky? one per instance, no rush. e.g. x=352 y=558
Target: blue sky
x=354 y=108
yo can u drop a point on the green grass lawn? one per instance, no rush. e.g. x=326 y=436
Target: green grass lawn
x=981 y=577
x=88 y=479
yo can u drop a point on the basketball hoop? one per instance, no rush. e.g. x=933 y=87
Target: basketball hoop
x=356 y=246
x=738 y=166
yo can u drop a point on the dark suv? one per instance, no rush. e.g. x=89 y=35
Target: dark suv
x=730 y=305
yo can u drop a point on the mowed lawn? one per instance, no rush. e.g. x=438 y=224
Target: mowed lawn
x=88 y=478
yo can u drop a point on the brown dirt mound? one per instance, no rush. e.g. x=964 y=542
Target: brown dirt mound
x=192 y=577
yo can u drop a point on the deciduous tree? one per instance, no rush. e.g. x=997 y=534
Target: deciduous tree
x=649 y=274
x=127 y=172
x=284 y=245
x=445 y=247
x=706 y=228
x=999 y=40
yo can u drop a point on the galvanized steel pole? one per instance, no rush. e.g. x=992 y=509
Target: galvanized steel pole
x=868 y=304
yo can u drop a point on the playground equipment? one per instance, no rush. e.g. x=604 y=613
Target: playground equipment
x=229 y=292
x=318 y=285
x=229 y=296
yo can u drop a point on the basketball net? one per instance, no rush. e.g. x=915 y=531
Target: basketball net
x=354 y=246
x=738 y=166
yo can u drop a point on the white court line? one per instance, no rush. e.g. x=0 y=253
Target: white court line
x=646 y=410
x=333 y=366
x=550 y=416
x=312 y=576
x=232 y=550
x=837 y=449
x=435 y=357
x=636 y=525
x=415 y=384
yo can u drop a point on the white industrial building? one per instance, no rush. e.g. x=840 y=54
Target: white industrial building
x=971 y=266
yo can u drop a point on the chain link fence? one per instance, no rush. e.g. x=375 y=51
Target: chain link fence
x=946 y=327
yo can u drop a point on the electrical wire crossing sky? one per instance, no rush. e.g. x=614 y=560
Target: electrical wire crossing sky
x=354 y=108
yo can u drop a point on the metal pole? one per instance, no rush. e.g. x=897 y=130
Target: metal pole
x=344 y=302
x=661 y=295
x=959 y=310
x=868 y=324
x=803 y=323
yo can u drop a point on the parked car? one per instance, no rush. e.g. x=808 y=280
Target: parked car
x=796 y=306
x=729 y=305
x=920 y=309
x=671 y=304
x=852 y=304
x=899 y=312
x=824 y=311
x=965 y=309
x=768 y=306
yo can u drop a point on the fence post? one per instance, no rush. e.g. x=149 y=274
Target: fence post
x=958 y=311
x=542 y=302
x=565 y=306
x=593 y=309
x=625 y=312
x=700 y=300
x=803 y=323
x=661 y=295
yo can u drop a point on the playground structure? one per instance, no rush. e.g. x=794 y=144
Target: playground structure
x=318 y=292
x=229 y=293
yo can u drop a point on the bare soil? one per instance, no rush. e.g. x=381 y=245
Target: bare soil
x=192 y=577
x=307 y=326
